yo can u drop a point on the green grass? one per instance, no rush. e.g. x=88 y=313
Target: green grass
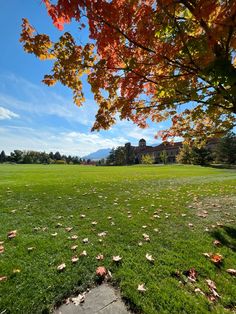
x=35 y=198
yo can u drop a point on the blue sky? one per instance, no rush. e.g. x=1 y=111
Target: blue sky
x=36 y=117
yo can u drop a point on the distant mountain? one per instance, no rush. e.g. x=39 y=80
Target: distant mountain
x=99 y=154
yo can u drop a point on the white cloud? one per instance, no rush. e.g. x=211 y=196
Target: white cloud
x=74 y=143
x=40 y=100
x=6 y=114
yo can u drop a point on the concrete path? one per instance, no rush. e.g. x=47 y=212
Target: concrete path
x=100 y=300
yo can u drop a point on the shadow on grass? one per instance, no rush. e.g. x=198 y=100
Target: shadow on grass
x=227 y=236
x=222 y=166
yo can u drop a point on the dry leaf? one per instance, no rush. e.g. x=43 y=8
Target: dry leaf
x=30 y=248
x=94 y=223
x=74 y=259
x=68 y=229
x=1 y=249
x=82 y=216
x=216 y=242
x=116 y=258
x=192 y=274
x=231 y=271
x=61 y=267
x=141 y=287
x=149 y=258
x=84 y=253
x=216 y=258
x=74 y=247
x=146 y=237
x=199 y=291
x=15 y=271
x=101 y=271
x=211 y=284
x=102 y=234
x=12 y=234
x=100 y=257
x=79 y=299
x=85 y=240
x=54 y=234
x=3 y=278
x=74 y=237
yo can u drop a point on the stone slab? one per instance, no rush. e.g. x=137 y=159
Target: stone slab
x=101 y=300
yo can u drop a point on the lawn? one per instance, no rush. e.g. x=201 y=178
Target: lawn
x=181 y=210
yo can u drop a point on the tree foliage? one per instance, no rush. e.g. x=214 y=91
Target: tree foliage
x=122 y=155
x=147 y=60
x=147 y=159
x=35 y=157
x=194 y=155
x=226 y=149
x=164 y=156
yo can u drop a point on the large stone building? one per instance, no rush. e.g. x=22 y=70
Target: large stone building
x=171 y=149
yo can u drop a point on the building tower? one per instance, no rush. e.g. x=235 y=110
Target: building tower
x=142 y=143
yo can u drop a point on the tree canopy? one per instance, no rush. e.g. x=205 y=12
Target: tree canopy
x=146 y=60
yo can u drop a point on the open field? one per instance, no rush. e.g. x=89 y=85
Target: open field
x=182 y=209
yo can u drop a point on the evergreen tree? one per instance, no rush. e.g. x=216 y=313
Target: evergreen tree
x=111 y=157
x=129 y=154
x=3 y=157
x=226 y=149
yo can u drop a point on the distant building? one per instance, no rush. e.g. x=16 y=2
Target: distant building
x=172 y=150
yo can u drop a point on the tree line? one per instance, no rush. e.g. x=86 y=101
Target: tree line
x=35 y=157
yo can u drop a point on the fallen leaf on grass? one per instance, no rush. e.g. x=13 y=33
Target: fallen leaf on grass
x=84 y=253
x=231 y=271
x=68 y=229
x=54 y=234
x=212 y=287
x=30 y=248
x=74 y=259
x=1 y=249
x=82 y=216
x=207 y=254
x=146 y=237
x=12 y=234
x=15 y=271
x=141 y=287
x=3 y=278
x=74 y=247
x=79 y=299
x=192 y=274
x=99 y=257
x=74 y=237
x=149 y=258
x=198 y=290
x=94 y=223
x=216 y=242
x=116 y=258
x=101 y=271
x=102 y=234
x=216 y=258
x=61 y=267
x=85 y=240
